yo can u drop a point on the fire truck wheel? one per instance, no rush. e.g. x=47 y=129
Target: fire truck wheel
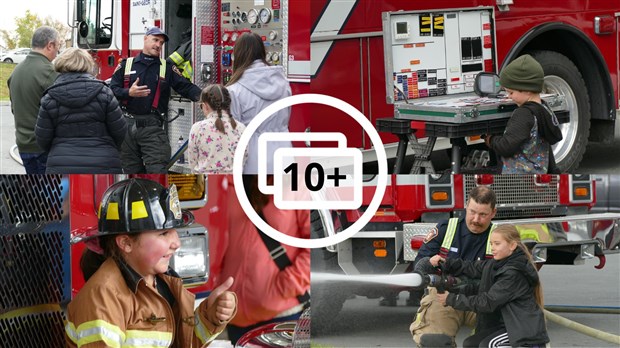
x=327 y=299
x=563 y=77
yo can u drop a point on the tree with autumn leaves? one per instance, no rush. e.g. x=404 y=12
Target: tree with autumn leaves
x=25 y=27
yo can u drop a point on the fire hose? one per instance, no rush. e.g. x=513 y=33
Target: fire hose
x=15 y=155
x=586 y=330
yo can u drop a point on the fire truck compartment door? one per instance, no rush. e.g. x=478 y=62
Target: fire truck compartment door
x=437 y=52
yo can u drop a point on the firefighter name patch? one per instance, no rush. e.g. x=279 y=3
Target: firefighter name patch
x=431 y=234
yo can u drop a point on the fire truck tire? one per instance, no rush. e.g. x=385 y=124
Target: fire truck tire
x=563 y=77
x=327 y=299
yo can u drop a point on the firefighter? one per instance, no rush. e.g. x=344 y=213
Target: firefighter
x=142 y=85
x=135 y=298
x=466 y=238
x=182 y=55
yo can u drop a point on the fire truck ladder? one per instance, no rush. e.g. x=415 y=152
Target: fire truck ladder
x=406 y=136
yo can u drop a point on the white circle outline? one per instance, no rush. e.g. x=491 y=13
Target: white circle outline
x=310 y=98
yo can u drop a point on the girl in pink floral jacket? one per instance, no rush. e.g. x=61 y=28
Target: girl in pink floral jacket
x=212 y=141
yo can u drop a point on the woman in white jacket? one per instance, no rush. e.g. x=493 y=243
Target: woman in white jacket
x=254 y=85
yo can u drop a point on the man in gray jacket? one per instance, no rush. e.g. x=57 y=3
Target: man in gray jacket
x=26 y=86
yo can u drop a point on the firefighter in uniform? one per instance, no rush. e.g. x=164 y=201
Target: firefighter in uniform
x=182 y=56
x=466 y=238
x=135 y=299
x=142 y=85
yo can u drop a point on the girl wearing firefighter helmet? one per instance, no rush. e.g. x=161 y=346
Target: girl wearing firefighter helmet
x=135 y=299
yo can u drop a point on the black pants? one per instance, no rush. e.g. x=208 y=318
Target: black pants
x=145 y=149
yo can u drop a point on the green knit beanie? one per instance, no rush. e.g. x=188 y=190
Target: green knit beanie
x=523 y=74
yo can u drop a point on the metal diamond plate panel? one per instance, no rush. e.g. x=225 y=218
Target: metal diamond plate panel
x=30 y=198
x=34 y=260
x=39 y=327
x=411 y=230
x=518 y=195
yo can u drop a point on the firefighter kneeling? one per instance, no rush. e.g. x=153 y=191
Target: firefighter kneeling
x=433 y=315
x=135 y=298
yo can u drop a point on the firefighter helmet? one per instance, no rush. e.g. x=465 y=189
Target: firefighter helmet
x=138 y=205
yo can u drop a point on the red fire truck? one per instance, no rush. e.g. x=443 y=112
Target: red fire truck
x=336 y=47
x=551 y=212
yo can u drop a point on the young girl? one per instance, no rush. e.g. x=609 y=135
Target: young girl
x=212 y=141
x=509 y=301
x=135 y=298
x=525 y=146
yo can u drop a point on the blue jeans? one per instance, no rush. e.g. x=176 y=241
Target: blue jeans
x=34 y=163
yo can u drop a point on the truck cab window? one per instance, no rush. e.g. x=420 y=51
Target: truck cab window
x=97 y=14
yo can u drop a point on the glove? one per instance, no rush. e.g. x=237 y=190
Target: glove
x=424 y=266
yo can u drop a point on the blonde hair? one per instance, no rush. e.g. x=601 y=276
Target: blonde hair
x=218 y=99
x=510 y=234
x=74 y=59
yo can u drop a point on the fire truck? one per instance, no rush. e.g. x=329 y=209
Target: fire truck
x=336 y=47
x=552 y=213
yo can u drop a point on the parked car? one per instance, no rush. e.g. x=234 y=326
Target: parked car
x=15 y=56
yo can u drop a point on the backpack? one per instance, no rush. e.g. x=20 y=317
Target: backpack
x=548 y=124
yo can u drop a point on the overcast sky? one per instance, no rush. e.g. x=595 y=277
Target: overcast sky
x=57 y=9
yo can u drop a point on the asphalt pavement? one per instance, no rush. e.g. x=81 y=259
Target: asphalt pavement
x=7 y=134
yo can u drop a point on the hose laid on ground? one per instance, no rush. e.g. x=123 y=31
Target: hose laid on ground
x=583 y=309
x=598 y=334
x=15 y=155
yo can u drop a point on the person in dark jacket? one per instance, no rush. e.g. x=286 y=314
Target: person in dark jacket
x=509 y=301
x=80 y=122
x=525 y=146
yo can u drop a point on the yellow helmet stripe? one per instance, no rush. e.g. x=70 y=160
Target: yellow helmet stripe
x=112 y=213
x=138 y=210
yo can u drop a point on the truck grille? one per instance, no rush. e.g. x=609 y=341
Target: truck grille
x=519 y=196
x=34 y=260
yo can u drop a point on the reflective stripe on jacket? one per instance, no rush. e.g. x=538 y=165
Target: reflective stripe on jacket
x=109 y=312
x=453 y=224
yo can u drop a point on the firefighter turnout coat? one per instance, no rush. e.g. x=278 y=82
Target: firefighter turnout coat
x=116 y=308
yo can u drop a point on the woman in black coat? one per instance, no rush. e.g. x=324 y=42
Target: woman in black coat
x=80 y=122
x=509 y=302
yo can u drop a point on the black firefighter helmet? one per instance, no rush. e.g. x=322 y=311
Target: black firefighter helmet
x=137 y=205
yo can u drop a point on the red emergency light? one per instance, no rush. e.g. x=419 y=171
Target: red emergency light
x=543 y=179
x=484 y=179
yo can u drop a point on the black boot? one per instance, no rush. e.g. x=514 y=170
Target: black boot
x=389 y=300
x=436 y=340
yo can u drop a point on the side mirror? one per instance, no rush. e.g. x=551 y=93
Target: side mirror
x=487 y=85
x=83 y=29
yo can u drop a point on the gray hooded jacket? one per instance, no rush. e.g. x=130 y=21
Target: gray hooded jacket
x=260 y=86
